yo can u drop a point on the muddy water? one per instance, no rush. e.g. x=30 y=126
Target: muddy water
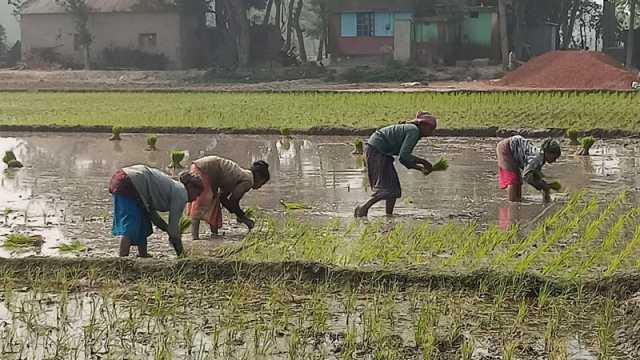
x=62 y=192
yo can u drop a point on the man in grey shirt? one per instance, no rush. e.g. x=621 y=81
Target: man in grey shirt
x=139 y=193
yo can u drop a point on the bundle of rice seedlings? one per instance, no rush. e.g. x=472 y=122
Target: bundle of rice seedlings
x=176 y=157
x=293 y=205
x=75 y=246
x=441 y=165
x=9 y=158
x=18 y=241
x=572 y=135
x=555 y=186
x=185 y=224
x=358 y=145
x=152 y=140
x=115 y=133
x=587 y=143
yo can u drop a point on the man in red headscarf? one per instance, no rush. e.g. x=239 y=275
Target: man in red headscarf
x=395 y=140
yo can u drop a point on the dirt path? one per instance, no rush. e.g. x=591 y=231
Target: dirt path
x=190 y=80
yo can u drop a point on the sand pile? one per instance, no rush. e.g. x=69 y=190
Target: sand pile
x=571 y=70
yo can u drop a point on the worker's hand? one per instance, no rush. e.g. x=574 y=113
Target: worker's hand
x=426 y=171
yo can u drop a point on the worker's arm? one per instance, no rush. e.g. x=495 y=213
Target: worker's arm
x=426 y=165
x=231 y=202
x=158 y=221
x=532 y=174
x=173 y=229
x=406 y=150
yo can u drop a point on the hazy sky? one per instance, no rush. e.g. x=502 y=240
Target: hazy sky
x=9 y=22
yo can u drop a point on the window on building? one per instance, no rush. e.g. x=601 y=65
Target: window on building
x=76 y=42
x=365 y=24
x=147 y=41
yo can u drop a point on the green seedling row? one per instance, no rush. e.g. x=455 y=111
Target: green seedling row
x=305 y=110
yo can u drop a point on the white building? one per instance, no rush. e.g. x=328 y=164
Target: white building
x=149 y=25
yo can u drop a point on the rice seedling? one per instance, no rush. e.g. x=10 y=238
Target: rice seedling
x=76 y=246
x=591 y=232
x=358 y=147
x=440 y=165
x=467 y=349
x=572 y=135
x=560 y=232
x=21 y=241
x=626 y=252
x=350 y=343
x=293 y=205
x=605 y=330
x=296 y=345
x=176 y=158
x=152 y=140
x=523 y=310
x=587 y=143
x=115 y=133
x=550 y=334
x=509 y=350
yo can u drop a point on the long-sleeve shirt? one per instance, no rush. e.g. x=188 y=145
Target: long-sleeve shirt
x=529 y=160
x=397 y=140
x=226 y=176
x=159 y=192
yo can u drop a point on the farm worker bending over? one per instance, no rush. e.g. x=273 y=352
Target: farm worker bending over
x=225 y=183
x=139 y=192
x=399 y=140
x=519 y=159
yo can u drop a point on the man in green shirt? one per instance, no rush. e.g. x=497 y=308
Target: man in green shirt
x=395 y=140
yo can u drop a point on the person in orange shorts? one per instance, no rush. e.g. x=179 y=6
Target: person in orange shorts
x=225 y=183
x=519 y=159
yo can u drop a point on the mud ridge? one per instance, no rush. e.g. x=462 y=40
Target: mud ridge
x=143 y=88
x=324 y=131
x=207 y=270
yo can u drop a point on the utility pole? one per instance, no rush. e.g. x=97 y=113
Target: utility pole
x=630 y=35
x=504 y=36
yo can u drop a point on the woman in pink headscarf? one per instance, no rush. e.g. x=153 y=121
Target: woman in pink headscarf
x=395 y=140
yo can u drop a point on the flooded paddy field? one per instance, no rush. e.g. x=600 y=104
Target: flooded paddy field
x=64 y=314
x=491 y=280
x=61 y=194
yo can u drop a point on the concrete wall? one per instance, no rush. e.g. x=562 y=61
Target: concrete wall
x=108 y=29
x=356 y=46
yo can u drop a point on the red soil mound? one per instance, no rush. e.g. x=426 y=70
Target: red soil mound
x=571 y=70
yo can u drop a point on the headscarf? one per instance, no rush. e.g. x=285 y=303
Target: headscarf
x=190 y=180
x=260 y=169
x=551 y=146
x=425 y=118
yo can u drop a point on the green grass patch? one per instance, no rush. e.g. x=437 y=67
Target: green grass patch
x=304 y=110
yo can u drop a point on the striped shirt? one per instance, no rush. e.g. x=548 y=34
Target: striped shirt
x=529 y=159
